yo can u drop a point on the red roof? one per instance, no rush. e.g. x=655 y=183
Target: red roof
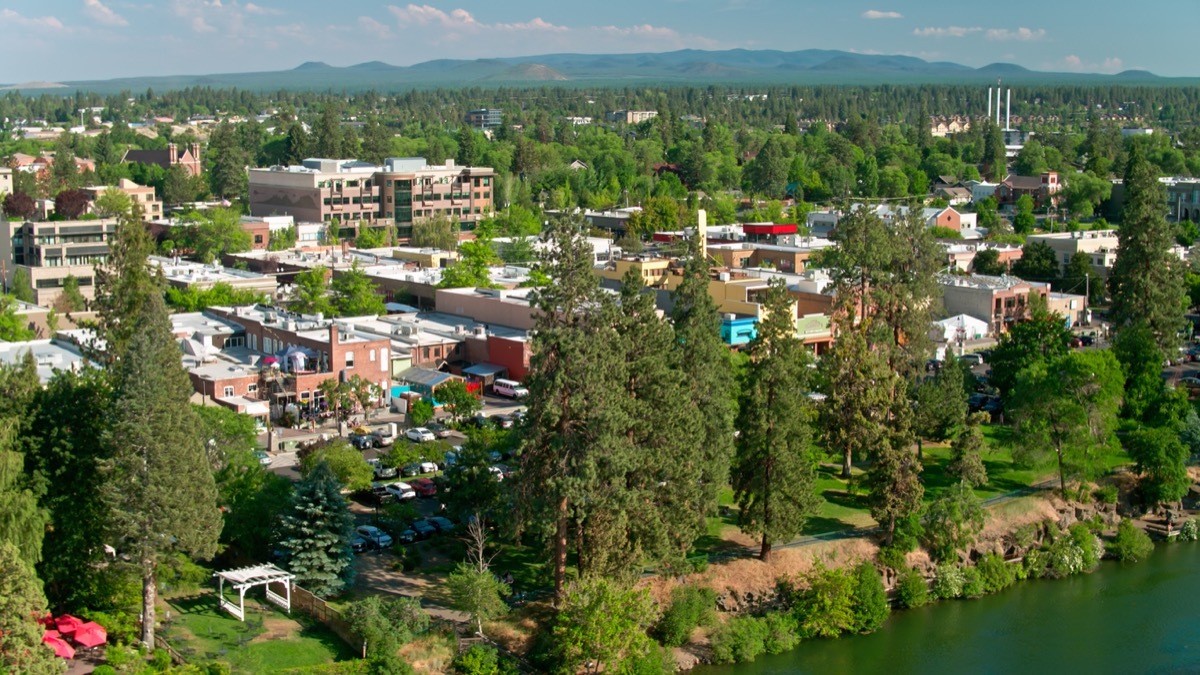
x=769 y=228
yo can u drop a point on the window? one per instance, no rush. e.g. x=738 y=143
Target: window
x=371 y=352
x=252 y=389
x=228 y=392
x=349 y=359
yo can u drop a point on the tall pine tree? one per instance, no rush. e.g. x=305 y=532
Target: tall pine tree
x=21 y=605
x=1147 y=279
x=774 y=470
x=160 y=486
x=315 y=534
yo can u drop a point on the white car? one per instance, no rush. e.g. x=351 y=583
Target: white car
x=420 y=435
x=376 y=537
x=401 y=490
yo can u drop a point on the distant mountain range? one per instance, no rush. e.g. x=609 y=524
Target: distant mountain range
x=687 y=66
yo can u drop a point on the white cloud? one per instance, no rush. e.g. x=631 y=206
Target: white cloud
x=1074 y=63
x=880 y=14
x=1112 y=64
x=50 y=22
x=252 y=8
x=1021 y=34
x=946 y=31
x=102 y=14
x=379 y=30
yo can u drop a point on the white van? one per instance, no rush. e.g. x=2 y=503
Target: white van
x=509 y=388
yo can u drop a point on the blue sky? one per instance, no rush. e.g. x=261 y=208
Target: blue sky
x=99 y=39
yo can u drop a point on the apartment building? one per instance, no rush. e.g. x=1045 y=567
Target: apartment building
x=1099 y=245
x=399 y=192
x=49 y=252
x=141 y=195
x=631 y=116
x=484 y=118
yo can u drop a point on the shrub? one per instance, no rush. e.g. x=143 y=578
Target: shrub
x=386 y=623
x=1106 y=494
x=104 y=670
x=690 y=606
x=656 y=661
x=996 y=574
x=1090 y=546
x=1131 y=543
x=118 y=656
x=160 y=660
x=912 y=590
x=826 y=607
x=892 y=557
x=1189 y=531
x=948 y=584
x=739 y=640
x=782 y=634
x=1063 y=558
x=483 y=660
x=1034 y=565
x=972 y=583
x=178 y=573
x=871 y=606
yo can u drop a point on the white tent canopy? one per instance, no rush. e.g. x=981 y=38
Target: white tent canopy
x=947 y=330
x=246 y=578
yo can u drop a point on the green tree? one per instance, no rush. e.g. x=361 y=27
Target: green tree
x=774 y=474
x=1147 y=280
x=112 y=203
x=315 y=534
x=854 y=414
x=1161 y=459
x=178 y=186
x=894 y=483
x=704 y=361
x=825 y=607
x=476 y=258
x=767 y=173
x=953 y=521
x=226 y=163
x=1042 y=337
x=995 y=163
x=22 y=520
x=602 y=626
x=468 y=147
x=966 y=462
x=21 y=605
x=988 y=262
x=22 y=286
x=160 y=485
x=386 y=623
x=75 y=302
x=13 y=326
x=310 y=292
x=327 y=134
x=940 y=404
x=346 y=463
x=1085 y=192
x=1067 y=408
x=440 y=232
x=420 y=413
x=1024 y=221
x=217 y=232
x=354 y=294
x=871 y=606
x=1131 y=544
x=124 y=286
x=1141 y=362
x=376 y=142
x=457 y=400
x=477 y=593
x=370 y=237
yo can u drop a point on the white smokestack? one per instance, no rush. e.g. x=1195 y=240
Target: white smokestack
x=1008 y=111
x=702 y=231
x=989 y=103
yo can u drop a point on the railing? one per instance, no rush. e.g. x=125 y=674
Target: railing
x=320 y=610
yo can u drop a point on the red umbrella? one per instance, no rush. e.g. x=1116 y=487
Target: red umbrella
x=59 y=645
x=67 y=624
x=90 y=634
x=47 y=620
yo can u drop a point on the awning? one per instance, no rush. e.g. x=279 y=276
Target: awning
x=484 y=370
x=425 y=377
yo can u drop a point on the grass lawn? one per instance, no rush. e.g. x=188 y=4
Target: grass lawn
x=269 y=640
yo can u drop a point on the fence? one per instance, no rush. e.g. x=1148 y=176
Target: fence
x=320 y=610
x=176 y=657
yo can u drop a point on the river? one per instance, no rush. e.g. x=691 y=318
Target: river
x=1140 y=618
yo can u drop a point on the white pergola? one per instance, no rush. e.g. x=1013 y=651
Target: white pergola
x=246 y=578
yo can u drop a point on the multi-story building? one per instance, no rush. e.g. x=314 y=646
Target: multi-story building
x=631 y=116
x=484 y=118
x=1044 y=189
x=6 y=181
x=1000 y=301
x=189 y=159
x=397 y=193
x=50 y=252
x=1099 y=245
x=141 y=195
x=185 y=274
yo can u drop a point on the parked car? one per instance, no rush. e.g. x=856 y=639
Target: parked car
x=519 y=415
x=971 y=359
x=376 y=537
x=405 y=536
x=380 y=469
x=440 y=430
x=420 y=435
x=419 y=468
x=424 y=487
x=442 y=524
x=401 y=490
x=424 y=528
x=358 y=544
x=362 y=441
x=378 y=495
x=1190 y=382
x=502 y=421
x=480 y=420
x=382 y=438
x=263 y=458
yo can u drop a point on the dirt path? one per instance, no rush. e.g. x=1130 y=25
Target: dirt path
x=376 y=575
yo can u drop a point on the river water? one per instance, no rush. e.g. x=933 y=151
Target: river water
x=1140 y=618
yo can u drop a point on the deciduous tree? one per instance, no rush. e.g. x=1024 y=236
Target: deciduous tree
x=354 y=294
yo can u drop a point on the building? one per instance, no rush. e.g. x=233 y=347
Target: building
x=189 y=159
x=631 y=116
x=6 y=180
x=1099 y=245
x=141 y=195
x=484 y=118
x=999 y=301
x=49 y=252
x=1183 y=199
x=981 y=190
x=959 y=328
x=1073 y=308
x=52 y=356
x=1043 y=189
x=350 y=191
x=185 y=274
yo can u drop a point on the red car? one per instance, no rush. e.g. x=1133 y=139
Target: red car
x=424 y=487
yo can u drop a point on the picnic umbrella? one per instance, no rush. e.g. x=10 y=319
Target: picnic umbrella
x=59 y=645
x=90 y=634
x=67 y=624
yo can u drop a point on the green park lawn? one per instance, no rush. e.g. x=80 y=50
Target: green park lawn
x=269 y=640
